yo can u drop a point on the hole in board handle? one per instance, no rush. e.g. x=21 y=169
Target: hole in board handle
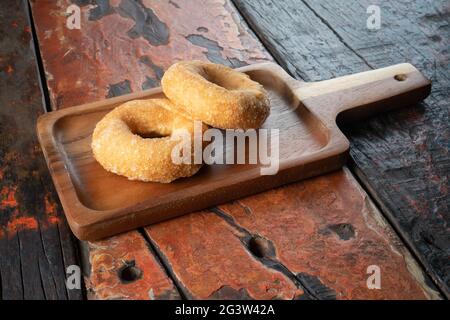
x=400 y=77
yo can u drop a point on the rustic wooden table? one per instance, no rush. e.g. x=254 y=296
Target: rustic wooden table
x=309 y=240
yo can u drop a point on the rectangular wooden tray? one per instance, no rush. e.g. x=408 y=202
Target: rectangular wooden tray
x=98 y=203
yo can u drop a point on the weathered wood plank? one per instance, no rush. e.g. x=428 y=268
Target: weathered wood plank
x=298 y=40
x=207 y=256
x=322 y=237
x=213 y=261
x=401 y=157
x=340 y=234
x=123 y=267
x=133 y=54
x=35 y=245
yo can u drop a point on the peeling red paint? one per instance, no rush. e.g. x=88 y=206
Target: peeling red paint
x=8 y=199
x=306 y=240
x=24 y=178
x=82 y=65
x=21 y=223
x=204 y=264
x=108 y=257
x=53 y=220
x=51 y=210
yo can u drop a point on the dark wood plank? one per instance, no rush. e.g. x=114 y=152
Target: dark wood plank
x=404 y=156
x=401 y=157
x=298 y=40
x=207 y=256
x=35 y=245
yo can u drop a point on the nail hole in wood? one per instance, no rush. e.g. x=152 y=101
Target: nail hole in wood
x=400 y=77
x=129 y=272
x=260 y=247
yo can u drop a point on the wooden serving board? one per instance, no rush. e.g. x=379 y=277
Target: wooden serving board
x=99 y=204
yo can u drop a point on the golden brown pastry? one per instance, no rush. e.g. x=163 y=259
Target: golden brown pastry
x=215 y=94
x=120 y=146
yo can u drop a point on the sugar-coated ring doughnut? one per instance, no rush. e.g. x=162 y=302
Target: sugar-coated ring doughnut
x=215 y=94
x=119 y=145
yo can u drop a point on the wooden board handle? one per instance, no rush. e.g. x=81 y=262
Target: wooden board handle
x=363 y=94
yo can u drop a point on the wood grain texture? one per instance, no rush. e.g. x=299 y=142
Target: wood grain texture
x=194 y=266
x=402 y=157
x=36 y=245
